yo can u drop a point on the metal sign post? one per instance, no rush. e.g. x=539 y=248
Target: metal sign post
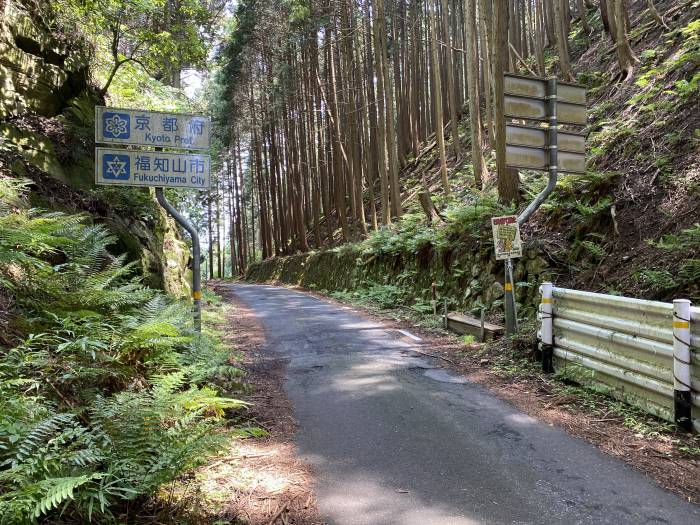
x=542 y=146
x=196 y=257
x=507 y=243
x=155 y=168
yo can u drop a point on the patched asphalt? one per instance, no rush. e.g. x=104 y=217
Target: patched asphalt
x=395 y=439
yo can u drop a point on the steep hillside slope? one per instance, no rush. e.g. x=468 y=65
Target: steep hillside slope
x=629 y=226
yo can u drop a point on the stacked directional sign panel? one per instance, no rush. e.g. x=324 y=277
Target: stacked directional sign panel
x=141 y=167
x=526 y=99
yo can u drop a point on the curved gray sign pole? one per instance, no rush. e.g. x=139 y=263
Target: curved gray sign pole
x=196 y=275
x=553 y=153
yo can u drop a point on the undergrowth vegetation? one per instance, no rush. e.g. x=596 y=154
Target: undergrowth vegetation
x=686 y=246
x=107 y=392
x=463 y=221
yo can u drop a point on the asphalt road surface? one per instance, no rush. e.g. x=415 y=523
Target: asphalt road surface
x=397 y=440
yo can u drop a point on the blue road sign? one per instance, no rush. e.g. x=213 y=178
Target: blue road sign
x=116 y=125
x=116 y=166
x=152 y=128
x=152 y=168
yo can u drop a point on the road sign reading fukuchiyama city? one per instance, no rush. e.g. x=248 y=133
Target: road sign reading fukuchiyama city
x=506 y=237
x=151 y=128
x=123 y=167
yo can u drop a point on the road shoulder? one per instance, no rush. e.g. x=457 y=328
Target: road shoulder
x=261 y=480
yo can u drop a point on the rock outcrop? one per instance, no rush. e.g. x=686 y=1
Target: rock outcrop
x=46 y=119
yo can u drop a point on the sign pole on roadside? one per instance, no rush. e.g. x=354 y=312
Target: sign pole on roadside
x=196 y=257
x=156 y=168
x=510 y=308
x=507 y=243
x=545 y=102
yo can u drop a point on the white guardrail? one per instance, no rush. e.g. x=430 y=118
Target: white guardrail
x=646 y=352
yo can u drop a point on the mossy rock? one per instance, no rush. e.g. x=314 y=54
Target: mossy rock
x=36 y=149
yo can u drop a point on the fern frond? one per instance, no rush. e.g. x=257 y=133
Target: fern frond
x=41 y=433
x=58 y=490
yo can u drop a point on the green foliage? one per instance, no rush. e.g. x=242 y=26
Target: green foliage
x=107 y=393
x=470 y=221
x=158 y=35
x=412 y=234
x=662 y=280
x=384 y=296
x=688 y=239
x=228 y=77
x=583 y=197
x=657 y=67
x=688 y=274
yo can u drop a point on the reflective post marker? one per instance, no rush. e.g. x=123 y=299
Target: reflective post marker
x=546 y=327
x=196 y=251
x=681 y=364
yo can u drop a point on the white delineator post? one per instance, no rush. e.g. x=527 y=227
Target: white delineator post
x=546 y=327
x=681 y=364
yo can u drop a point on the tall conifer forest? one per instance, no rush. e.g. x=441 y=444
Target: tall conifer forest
x=358 y=155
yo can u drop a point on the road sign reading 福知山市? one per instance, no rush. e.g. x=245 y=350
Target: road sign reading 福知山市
x=506 y=237
x=151 y=128
x=123 y=167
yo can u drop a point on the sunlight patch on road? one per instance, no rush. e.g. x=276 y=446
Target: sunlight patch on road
x=379 y=503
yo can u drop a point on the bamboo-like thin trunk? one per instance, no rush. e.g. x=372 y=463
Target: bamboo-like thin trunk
x=472 y=58
x=451 y=88
x=437 y=96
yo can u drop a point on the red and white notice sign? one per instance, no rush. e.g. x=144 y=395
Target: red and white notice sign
x=506 y=237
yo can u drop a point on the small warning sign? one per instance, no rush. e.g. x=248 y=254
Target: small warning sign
x=506 y=237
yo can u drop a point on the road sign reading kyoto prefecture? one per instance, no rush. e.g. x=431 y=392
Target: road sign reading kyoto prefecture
x=151 y=168
x=145 y=167
x=151 y=128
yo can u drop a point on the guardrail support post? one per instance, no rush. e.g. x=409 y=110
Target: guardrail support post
x=547 y=328
x=681 y=364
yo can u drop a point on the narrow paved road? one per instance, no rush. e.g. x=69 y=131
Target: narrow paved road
x=396 y=440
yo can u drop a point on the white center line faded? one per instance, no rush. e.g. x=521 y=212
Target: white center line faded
x=409 y=334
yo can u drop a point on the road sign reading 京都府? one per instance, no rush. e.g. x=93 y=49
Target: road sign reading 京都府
x=506 y=237
x=123 y=167
x=151 y=128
